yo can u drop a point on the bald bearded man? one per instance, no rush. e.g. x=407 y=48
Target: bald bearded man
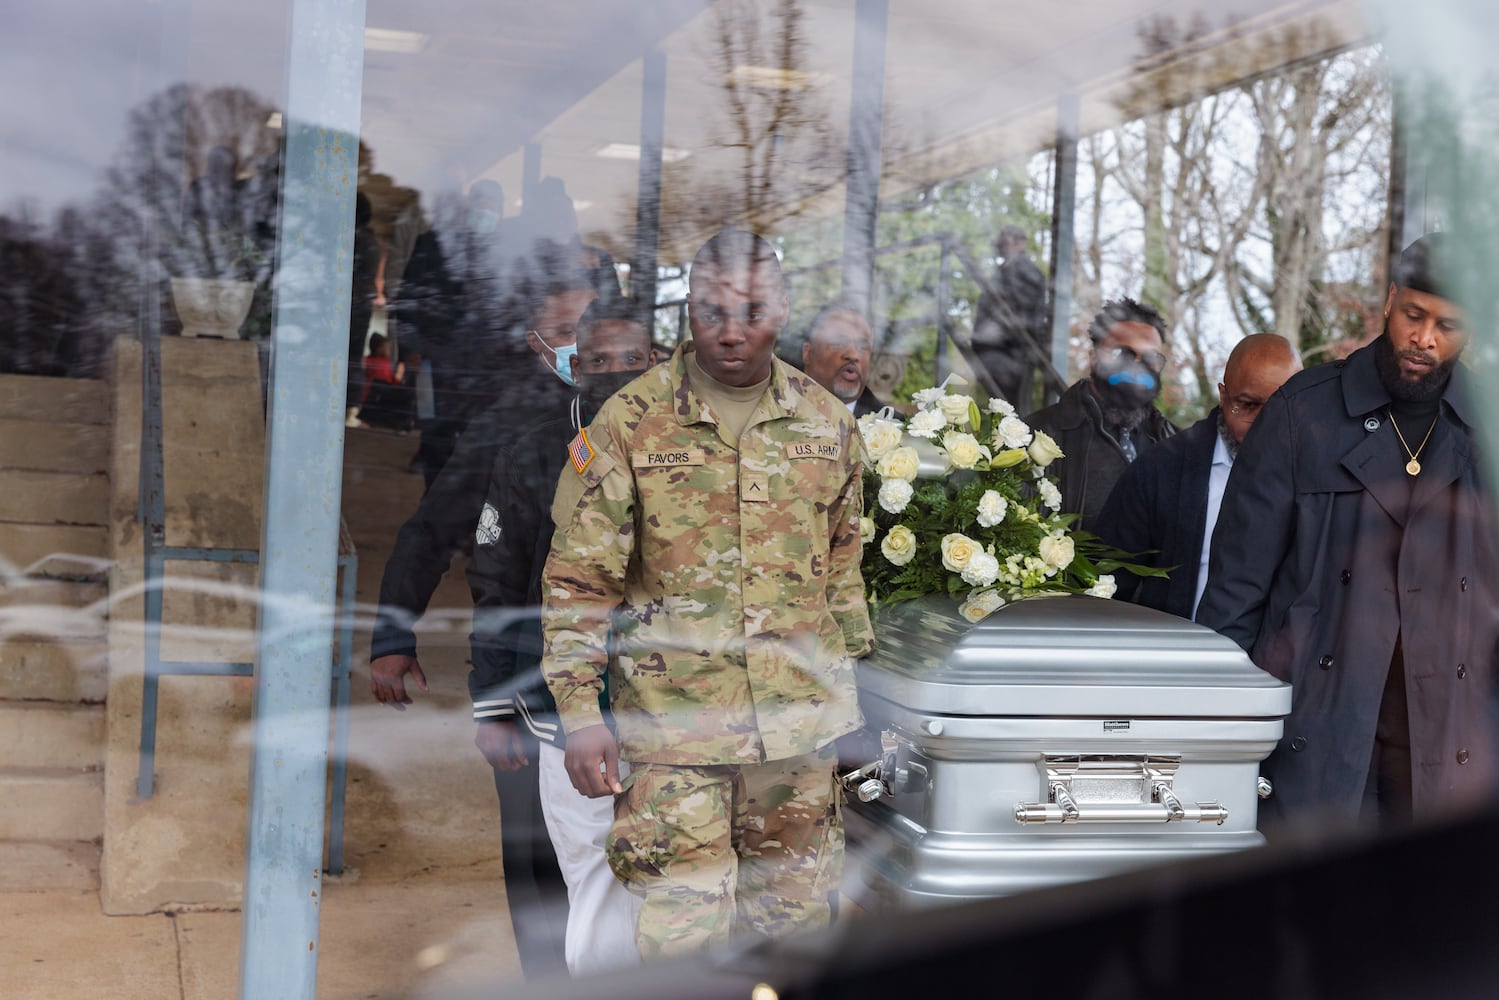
x=1166 y=504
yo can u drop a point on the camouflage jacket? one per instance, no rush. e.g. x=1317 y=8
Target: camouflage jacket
x=730 y=577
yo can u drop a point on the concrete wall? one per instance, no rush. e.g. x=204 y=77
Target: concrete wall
x=185 y=845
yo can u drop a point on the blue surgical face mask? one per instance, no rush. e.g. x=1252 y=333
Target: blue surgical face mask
x=1138 y=377
x=1125 y=381
x=562 y=360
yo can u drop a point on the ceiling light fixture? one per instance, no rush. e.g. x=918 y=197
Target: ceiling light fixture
x=273 y=120
x=776 y=78
x=629 y=151
x=391 y=40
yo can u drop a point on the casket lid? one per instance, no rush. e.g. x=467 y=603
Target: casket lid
x=1064 y=656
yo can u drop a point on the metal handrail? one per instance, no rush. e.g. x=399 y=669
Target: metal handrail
x=151 y=511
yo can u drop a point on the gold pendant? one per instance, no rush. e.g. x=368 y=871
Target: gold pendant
x=1413 y=468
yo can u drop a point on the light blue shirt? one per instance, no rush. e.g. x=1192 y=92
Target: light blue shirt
x=1217 y=480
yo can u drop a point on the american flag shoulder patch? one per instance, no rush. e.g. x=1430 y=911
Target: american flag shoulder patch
x=581 y=452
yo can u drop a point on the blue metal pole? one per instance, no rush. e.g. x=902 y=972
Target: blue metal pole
x=342 y=692
x=145 y=782
x=648 y=202
x=1063 y=238
x=299 y=543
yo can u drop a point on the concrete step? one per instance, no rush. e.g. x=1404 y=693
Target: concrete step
x=54 y=400
x=53 y=497
x=53 y=609
x=43 y=670
x=42 y=734
x=43 y=804
x=58 y=866
x=55 y=550
x=53 y=447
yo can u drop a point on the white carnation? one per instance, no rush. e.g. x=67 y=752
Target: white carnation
x=926 y=424
x=982 y=570
x=895 y=494
x=1105 y=587
x=992 y=508
x=1013 y=432
x=1050 y=496
x=1001 y=406
x=928 y=397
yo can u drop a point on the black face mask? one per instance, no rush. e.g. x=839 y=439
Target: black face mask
x=596 y=388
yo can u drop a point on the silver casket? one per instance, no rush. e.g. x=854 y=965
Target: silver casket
x=1063 y=738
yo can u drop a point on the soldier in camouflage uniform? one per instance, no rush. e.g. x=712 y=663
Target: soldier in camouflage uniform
x=708 y=526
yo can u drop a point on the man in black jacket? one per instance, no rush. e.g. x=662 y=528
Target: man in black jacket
x=1107 y=420
x=1166 y=504
x=444 y=520
x=1007 y=322
x=518 y=732
x=1355 y=558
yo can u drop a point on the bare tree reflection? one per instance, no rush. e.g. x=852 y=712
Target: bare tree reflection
x=1261 y=205
x=775 y=117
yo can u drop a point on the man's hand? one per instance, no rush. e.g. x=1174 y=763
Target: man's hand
x=499 y=740
x=387 y=682
x=592 y=762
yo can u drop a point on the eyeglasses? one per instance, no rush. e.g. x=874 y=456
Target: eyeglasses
x=1245 y=407
x=1116 y=354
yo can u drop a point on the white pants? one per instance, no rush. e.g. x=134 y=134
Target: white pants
x=601 y=912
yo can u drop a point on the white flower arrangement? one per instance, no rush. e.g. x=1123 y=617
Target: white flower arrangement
x=894 y=495
x=926 y=423
x=985 y=531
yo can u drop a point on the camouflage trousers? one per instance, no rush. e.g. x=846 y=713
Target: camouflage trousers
x=722 y=850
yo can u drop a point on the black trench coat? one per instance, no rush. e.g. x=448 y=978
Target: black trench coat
x=1325 y=552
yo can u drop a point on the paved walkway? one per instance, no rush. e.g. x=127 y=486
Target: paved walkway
x=422 y=902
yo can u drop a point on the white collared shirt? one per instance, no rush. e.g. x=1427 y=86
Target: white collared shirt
x=1217 y=480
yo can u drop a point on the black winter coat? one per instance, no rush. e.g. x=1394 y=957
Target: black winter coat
x=1326 y=552
x=511 y=544
x=1093 y=460
x=443 y=523
x=1160 y=507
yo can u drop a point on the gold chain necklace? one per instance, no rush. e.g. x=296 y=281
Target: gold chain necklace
x=1413 y=467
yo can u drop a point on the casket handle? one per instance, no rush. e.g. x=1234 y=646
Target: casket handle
x=1063 y=799
x=866 y=784
x=1129 y=812
x=1068 y=778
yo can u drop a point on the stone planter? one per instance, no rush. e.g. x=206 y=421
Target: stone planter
x=212 y=307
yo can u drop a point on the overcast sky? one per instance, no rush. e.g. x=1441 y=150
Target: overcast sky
x=71 y=73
